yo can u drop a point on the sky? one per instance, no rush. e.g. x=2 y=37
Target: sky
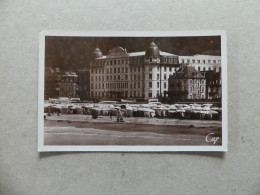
x=74 y=53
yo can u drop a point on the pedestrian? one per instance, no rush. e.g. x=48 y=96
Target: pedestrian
x=110 y=114
x=119 y=115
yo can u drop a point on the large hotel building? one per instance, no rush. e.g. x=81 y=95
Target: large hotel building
x=120 y=74
x=145 y=74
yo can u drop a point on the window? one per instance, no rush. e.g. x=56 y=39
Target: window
x=204 y=61
x=138 y=84
x=198 y=61
x=126 y=70
x=150 y=84
x=118 y=70
x=150 y=69
x=118 y=77
x=158 y=84
x=114 y=62
x=188 y=61
x=126 y=77
x=209 y=61
x=204 y=68
x=170 y=69
x=165 y=85
x=158 y=76
x=165 y=76
x=150 y=76
x=114 y=70
x=214 y=61
x=158 y=68
x=151 y=59
x=198 y=68
x=150 y=94
x=138 y=69
x=193 y=61
x=191 y=82
x=122 y=70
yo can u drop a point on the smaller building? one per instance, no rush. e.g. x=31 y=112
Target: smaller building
x=213 y=85
x=84 y=84
x=51 y=82
x=203 y=62
x=68 y=85
x=187 y=83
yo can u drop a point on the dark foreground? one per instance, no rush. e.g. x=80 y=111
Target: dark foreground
x=82 y=130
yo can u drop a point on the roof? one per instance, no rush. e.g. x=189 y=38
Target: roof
x=163 y=53
x=188 y=72
x=72 y=74
x=141 y=53
x=97 y=53
x=152 y=50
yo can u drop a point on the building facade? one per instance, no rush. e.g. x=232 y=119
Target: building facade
x=187 y=83
x=83 y=84
x=121 y=75
x=51 y=82
x=203 y=62
x=213 y=85
x=68 y=86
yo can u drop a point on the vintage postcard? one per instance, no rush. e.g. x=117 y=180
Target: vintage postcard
x=132 y=91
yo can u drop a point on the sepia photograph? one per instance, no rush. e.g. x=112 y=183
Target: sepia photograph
x=132 y=91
